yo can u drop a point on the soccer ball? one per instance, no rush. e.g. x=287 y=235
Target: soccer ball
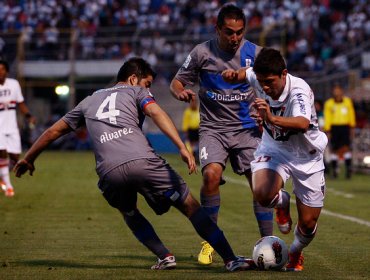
x=270 y=252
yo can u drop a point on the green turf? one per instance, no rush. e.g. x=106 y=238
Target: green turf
x=58 y=226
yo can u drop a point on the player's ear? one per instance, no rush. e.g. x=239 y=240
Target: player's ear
x=133 y=80
x=284 y=73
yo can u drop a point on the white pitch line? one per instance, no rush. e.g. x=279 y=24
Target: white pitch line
x=345 y=217
x=323 y=211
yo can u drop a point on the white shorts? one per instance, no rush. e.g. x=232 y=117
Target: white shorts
x=308 y=187
x=11 y=142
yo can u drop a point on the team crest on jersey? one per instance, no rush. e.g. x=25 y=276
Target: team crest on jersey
x=248 y=62
x=187 y=61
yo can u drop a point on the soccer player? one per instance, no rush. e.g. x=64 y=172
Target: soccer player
x=227 y=129
x=292 y=146
x=339 y=124
x=127 y=165
x=10 y=141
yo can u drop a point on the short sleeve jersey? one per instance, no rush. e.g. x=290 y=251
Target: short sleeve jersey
x=10 y=95
x=113 y=118
x=296 y=100
x=224 y=107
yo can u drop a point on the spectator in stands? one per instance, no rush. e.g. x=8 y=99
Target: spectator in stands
x=339 y=124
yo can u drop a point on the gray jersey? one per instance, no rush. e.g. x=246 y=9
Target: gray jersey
x=223 y=107
x=113 y=119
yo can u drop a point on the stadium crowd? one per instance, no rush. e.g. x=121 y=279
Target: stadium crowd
x=316 y=32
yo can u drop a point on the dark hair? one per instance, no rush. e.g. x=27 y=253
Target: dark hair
x=6 y=65
x=137 y=66
x=230 y=11
x=269 y=61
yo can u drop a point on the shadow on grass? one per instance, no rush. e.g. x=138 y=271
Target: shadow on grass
x=128 y=262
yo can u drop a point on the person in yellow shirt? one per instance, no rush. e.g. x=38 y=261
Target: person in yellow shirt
x=339 y=124
x=190 y=126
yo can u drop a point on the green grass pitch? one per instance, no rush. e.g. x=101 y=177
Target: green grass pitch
x=58 y=226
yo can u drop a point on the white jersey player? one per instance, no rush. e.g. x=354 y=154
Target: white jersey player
x=292 y=146
x=10 y=142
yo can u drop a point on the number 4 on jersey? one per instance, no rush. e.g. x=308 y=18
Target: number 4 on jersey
x=109 y=112
x=203 y=153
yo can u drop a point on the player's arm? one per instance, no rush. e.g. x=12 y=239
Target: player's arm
x=51 y=134
x=234 y=76
x=179 y=91
x=26 y=112
x=165 y=124
x=299 y=123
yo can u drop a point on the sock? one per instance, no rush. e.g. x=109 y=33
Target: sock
x=145 y=233
x=211 y=205
x=301 y=239
x=348 y=164
x=210 y=232
x=334 y=164
x=4 y=173
x=264 y=216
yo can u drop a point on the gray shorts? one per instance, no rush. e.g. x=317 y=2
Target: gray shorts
x=239 y=146
x=153 y=178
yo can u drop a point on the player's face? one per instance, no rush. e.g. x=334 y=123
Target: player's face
x=146 y=82
x=273 y=85
x=230 y=34
x=3 y=73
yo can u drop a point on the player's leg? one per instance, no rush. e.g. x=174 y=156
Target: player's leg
x=5 y=182
x=304 y=233
x=310 y=193
x=210 y=232
x=264 y=215
x=244 y=145
x=268 y=191
x=119 y=188
x=145 y=233
x=211 y=201
x=13 y=148
x=336 y=140
x=348 y=163
x=213 y=158
x=210 y=191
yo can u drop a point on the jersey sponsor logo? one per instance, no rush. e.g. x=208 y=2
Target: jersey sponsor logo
x=248 y=62
x=187 y=61
x=302 y=106
x=278 y=133
x=227 y=97
x=5 y=92
x=106 y=137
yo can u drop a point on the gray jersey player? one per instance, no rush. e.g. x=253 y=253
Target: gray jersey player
x=127 y=164
x=227 y=128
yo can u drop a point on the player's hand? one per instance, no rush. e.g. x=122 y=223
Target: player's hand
x=263 y=108
x=230 y=75
x=186 y=95
x=188 y=158
x=257 y=117
x=22 y=166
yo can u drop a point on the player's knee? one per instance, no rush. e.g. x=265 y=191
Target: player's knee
x=263 y=197
x=189 y=206
x=307 y=226
x=211 y=179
